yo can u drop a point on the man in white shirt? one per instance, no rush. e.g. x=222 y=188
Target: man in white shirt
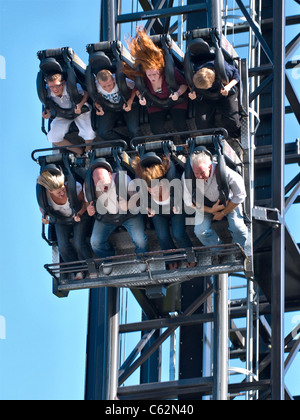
x=57 y=91
x=211 y=210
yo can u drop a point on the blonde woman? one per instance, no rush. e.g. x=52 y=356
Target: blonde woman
x=67 y=223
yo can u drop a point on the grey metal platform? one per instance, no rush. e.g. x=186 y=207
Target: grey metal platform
x=228 y=258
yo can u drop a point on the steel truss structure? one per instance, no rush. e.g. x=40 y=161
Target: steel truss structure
x=206 y=317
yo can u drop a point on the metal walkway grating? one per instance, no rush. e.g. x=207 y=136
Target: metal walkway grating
x=126 y=270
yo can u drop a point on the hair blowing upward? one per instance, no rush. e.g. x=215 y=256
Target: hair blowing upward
x=146 y=54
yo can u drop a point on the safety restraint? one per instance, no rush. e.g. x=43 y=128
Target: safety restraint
x=106 y=55
x=70 y=182
x=67 y=63
x=220 y=171
x=168 y=47
x=109 y=159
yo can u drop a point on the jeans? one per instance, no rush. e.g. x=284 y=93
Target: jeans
x=108 y=121
x=227 y=107
x=80 y=249
x=162 y=228
x=102 y=231
x=178 y=116
x=208 y=236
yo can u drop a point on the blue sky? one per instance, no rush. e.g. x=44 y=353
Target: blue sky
x=42 y=348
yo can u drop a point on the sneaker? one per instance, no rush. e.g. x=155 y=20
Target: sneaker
x=79 y=276
x=173 y=266
x=107 y=269
x=142 y=267
x=190 y=265
x=64 y=279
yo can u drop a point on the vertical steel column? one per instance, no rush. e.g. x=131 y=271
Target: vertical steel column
x=102 y=345
x=112 y=367
x=103 y=325
x=214 y=8
x=249 y=336
x=278 y=251
x=220 y=388
x=96 y=351
x=108 y=15
x=196 y=20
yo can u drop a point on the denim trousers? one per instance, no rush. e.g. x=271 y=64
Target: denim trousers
x=102 y=231
x=158 y=119
x=163 y=232
x=208 y=236
x=79 y=249
x=227 y=107
x=108 y=121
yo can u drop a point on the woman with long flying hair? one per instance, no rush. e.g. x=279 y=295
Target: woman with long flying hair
x=150 y=64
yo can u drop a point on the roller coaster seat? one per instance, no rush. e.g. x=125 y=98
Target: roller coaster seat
x=107 y=156
x=220 y=169
x=149 y=159
x=106 y=55
x=70 y=182
x=201 y=51
x=170 y=54
x=198 y=53
x=61 y=60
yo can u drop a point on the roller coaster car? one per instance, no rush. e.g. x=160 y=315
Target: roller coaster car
x=125 y=274
x=66 y=62
x=106 y=55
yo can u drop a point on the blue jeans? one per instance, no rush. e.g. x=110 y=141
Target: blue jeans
x=162 y=228
x=102 y=231
x=208 y=236
x=158 y=119
x=80 y=249
x=108 y=121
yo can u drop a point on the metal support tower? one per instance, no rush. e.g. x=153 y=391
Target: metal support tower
x=276 y=255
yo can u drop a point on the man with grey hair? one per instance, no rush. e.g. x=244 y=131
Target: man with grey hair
x=204 y=171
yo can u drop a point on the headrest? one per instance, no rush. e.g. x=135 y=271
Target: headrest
x=199 y=47
x=101 y=163
x=149 y=159
x=99 y=60
x=53 y=169
x=203 y=149
x=50 y=66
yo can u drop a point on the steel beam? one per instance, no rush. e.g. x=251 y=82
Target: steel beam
x=162 y=13
x=220 y=386
x=256 y=30
x=278 y=248
x=214 y=8
x=102 y=345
